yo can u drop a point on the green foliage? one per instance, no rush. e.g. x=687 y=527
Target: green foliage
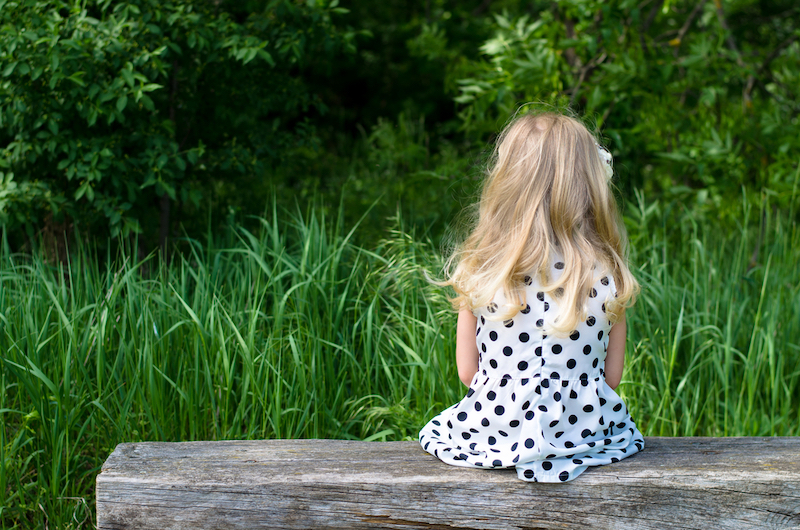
x=695 y=97
x=105 y=106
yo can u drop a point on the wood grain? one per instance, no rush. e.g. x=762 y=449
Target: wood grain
x=704 y=483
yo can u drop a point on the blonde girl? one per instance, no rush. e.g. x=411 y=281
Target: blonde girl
x=541 y=285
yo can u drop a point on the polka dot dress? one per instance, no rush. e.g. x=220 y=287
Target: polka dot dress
x=538 y=403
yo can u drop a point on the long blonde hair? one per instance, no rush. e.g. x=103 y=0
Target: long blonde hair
x=546 y=192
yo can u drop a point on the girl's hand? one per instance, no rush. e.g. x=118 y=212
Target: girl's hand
x=466 y=347
x=615 y=356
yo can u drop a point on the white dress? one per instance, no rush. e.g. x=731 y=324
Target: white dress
x=538 y=403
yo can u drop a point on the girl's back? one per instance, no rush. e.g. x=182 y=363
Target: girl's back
x=538 y=399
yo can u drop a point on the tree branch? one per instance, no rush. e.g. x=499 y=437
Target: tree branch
x=685 y=28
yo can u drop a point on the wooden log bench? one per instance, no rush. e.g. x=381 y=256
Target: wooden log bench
x=704 y=483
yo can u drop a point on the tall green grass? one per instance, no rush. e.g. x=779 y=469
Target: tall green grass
x=294 y=330
x=714 y=340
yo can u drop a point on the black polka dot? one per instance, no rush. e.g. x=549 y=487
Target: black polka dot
x=507 y=351
x=557 y=396
x=538 y=351
x=573 y=419
x=600 y=335
x=593 y=293
x=492 y=307
x=573 y=394
x=569 y=445
x=577 y=461
x=604 y=280
x=617 y=407
x=563 y=476
x=524 y=337
x=555 y=375
x=514 y=446
x=434 y=431
x=493 y=363
x=603 y=307
x=485 y=422
x=545 y=383
x=540 y=296
x=483 y=347
x=522 y=366
x=553 y=423
x=528 y=280
x=575 y=335
x=513 y=423
x=493 y=335
x=462 y=416
x=497 y=463
x=559 y=434
x=571 y=364
x=557 y=348
x=542 y=408
x=587 y=350
x=586 y=433
x=478 y=332
x=503 y=382
x=529 y=415
x=547 y=466
x=588 y=408
x=492 y=440
x=529 y=443
x=483 y=320
x=539 y=323
x=491 y=395
x=602 y=401
x=508 y=323
x=466 y=435
x=559 y=265
x=614 y=459
x=546 y=306
x=594 y=363
x=526 y=310
x=478 y=405
x=499 y=410
x=591 y=321
x=526 y=405
x=528 y=473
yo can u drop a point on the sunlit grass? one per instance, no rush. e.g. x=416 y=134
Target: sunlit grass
x=294 y=330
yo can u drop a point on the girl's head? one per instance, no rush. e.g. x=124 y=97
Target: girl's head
x=547 y=191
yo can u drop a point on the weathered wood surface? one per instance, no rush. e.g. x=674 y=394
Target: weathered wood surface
x=704 y=483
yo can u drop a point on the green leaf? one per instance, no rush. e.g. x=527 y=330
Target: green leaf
x=122 y=102
x=10 y=69
x=267 y=57
x=148 y=103
x=77 y=78
x=128 y=76
x=250 y=55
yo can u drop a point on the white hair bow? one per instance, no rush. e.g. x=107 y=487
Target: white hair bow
x=605 y=156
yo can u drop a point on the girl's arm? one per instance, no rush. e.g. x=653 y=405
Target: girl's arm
x=466 y=347
x=615 y=356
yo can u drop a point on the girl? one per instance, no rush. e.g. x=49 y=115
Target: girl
x=542 y=286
